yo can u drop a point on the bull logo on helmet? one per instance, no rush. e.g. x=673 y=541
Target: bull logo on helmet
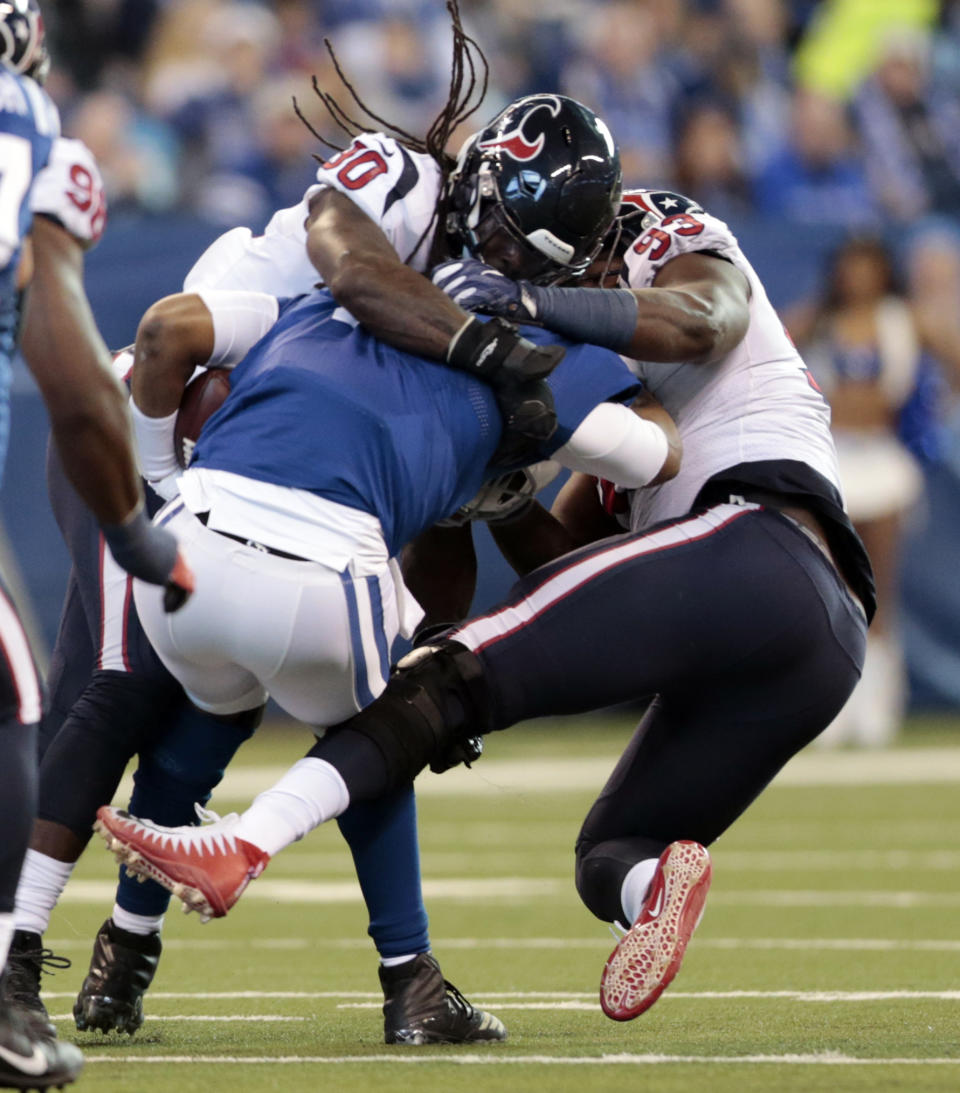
x=514 y=143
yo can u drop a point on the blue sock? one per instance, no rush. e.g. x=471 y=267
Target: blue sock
x=183 y=767
x=382 y=836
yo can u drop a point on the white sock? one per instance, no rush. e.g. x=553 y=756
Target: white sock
x=634 y=889
x=6 y=935
x=42 y=881
x=393 y=961
x=136 y=924
x=309 y=794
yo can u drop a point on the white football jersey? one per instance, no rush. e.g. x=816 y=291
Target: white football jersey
x=757 y=403
x=70 y=190
x=398 y=189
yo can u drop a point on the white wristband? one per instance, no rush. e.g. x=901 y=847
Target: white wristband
x=154 y=436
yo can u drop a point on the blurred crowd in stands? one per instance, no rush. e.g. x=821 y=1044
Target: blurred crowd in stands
x=833 y=116
x=838 y=111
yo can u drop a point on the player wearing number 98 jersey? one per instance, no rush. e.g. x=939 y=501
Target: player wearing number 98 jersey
x=90 y=425
x=28 y=126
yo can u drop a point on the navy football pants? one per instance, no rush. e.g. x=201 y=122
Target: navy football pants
x=732 y=617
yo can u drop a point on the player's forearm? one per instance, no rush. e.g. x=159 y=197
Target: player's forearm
x=360 y=267
x=577 y=507
x=683 y=325
x=440 y=569
x=398 y=306
x=174 y=336
x=71 y=364
x=95 y=447
x=532 y=539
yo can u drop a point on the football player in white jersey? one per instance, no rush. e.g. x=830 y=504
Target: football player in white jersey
x=738 y=601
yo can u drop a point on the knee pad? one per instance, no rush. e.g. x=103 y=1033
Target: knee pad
x=435 y=710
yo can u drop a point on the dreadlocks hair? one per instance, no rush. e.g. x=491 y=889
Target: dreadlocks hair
x=469 y=76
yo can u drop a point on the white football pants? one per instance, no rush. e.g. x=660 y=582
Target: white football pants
x=316 y=640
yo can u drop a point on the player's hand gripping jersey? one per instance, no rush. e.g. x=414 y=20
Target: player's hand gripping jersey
x=758 y=403
x=398 y=189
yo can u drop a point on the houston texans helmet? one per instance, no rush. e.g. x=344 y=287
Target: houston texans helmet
x=545 y=170
x=22 y=39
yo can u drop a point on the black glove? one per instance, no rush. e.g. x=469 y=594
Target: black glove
x=529 y=420
x=496 y=352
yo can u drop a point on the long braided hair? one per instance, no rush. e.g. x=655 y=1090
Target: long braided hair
x=469 y=76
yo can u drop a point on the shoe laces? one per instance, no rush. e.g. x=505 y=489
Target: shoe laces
x=459 y=1002
x=25 y=967
x=618 y=930
x=207 y=815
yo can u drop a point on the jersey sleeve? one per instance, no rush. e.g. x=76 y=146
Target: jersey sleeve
x=673 y=225
x=28 y=124
x=397 y=188
x=70 y=191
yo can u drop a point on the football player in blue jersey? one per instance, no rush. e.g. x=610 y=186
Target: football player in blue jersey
x=331 y=451
x=90 y=424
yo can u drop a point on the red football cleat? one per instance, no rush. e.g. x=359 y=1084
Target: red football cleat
x=207 y=867
x=649 y=954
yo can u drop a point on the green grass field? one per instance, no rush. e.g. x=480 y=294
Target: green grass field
x=828 y=958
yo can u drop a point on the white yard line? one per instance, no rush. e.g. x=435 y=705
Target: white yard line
x=566 y=1003
x=526 y=889
x=260 y=1018
x=536 y=999
x=494 y=777
x=599 y=942
x=496 y=1059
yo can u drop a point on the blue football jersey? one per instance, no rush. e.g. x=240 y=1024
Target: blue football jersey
x=28 y=125
x=318 y=404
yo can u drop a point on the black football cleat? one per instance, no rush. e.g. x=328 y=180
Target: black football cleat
x=26 y=962
x=121 y=969
x=29 y=1061
x=421 y=1007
